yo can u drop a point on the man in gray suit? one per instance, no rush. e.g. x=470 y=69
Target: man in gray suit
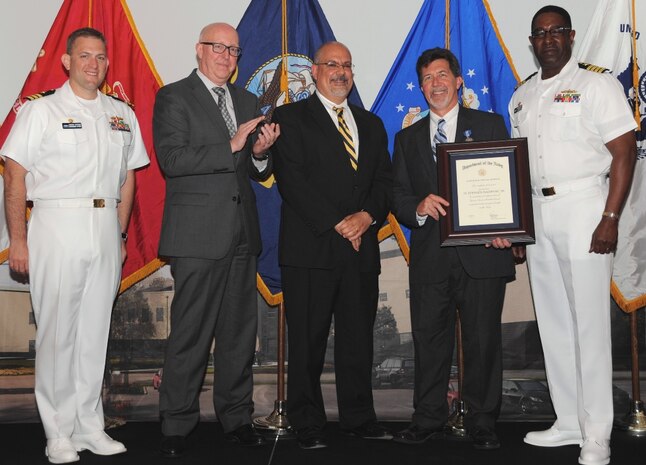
x=209 y=143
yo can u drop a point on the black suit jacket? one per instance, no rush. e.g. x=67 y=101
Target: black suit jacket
x=319 y=187
x=415 y=177
x=207 y=185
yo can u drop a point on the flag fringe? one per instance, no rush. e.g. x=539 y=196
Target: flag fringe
x=271 y=299
x=628 y=306
x=140 y=274
x=399 y=235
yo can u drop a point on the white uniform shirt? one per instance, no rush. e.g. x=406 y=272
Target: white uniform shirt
x=73 y=148
x=567 y=120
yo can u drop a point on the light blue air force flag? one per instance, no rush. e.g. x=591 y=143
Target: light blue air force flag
x=489 y=78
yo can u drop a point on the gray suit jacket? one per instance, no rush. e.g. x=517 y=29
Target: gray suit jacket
x=207 y=186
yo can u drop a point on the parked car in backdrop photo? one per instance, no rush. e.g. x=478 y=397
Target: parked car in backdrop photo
x=395 y=372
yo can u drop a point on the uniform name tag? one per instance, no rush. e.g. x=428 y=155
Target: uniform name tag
x=72 y=126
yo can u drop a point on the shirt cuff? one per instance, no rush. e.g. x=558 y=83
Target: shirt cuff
x=261 y=165
x=421 y=219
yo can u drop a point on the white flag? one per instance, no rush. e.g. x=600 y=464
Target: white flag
x=609 y=43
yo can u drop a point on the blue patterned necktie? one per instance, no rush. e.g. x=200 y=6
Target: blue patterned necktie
x=222 y=104
x=440 y=136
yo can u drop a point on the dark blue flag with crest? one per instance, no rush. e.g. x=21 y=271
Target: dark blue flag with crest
x=489 y=77
x=259 y=71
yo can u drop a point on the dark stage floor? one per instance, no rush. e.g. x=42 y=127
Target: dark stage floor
x=24 y=444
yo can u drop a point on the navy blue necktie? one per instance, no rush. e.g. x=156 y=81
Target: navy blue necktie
x=440 y=137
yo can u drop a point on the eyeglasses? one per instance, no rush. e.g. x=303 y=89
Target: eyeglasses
x=220 y=48
x=337 y=66
x=554 y=32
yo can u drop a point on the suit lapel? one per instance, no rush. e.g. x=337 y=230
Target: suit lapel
x=329 y=132
x=238 y=112
x=363 y=130
x=206 y=100
x=464 y=125
x=424 y=150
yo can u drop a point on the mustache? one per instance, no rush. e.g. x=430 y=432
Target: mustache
x=341 y=78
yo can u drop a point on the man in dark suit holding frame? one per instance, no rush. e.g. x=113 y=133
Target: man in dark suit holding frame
x=208 y=145
x=471 y=278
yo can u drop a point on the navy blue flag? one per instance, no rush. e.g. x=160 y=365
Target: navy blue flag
x=259 y=71
x=489 y=77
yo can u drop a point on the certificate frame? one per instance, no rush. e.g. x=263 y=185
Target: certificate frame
x=493 y=199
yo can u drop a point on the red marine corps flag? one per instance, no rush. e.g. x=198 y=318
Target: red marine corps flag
x=132 y=78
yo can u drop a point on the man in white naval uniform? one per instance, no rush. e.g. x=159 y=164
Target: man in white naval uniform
x=582 y=154
x=73 y=153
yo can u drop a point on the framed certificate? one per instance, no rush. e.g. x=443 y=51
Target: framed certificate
x=487 y=186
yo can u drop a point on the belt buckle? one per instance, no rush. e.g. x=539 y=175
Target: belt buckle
x=547 y=191
x=99 y=203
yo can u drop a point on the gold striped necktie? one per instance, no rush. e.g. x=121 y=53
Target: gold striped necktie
x=347 y=137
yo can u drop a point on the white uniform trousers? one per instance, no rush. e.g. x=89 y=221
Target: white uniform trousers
x=571 y=291
x=74 y=270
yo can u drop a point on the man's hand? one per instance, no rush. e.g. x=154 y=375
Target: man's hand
x=356 y=244
x=433 y=206
x=519 y=252
x=353 y=226
x=124 y=252
x=240 y=137
x=604 y=237
x=19 y=257
x=267 y=135
x=499 y=243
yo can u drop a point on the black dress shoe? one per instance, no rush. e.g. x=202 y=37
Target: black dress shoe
x=246 y=435
x=415 y=434
x=311 y=438
x=173 y=446
x=484 y=438
x=369 y=430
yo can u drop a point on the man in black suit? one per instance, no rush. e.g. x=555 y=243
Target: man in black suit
x=208 y=147
x=333 y=172
x=471 y=278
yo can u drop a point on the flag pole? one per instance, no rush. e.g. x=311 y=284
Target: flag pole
x=447 y=24
x=635 y=66
x=455 y=426
x=276 y=423
x=634 y=423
